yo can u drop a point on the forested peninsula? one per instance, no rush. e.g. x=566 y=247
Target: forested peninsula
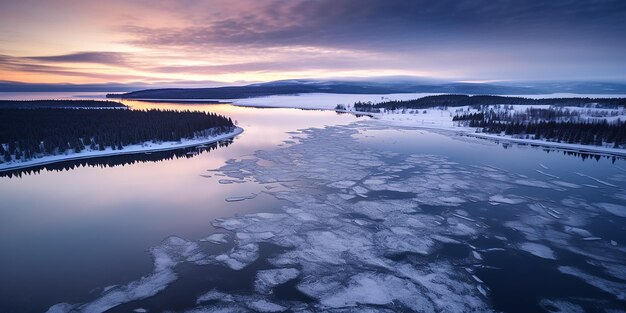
x=31 y=134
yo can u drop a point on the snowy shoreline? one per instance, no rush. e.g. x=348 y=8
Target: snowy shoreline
x=327 y=102
x=436 y=119
x=563 y=146
x=131 y=149
x=471 y=132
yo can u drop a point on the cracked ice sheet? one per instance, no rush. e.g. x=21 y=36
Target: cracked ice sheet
x=329 y=248
x=349 y=242
x=172 y=251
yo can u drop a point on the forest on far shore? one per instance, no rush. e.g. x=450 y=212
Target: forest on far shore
x=59 y=104
x=484 y=100
x=29 y=133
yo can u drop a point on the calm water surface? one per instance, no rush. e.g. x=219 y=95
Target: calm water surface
x=66 y=234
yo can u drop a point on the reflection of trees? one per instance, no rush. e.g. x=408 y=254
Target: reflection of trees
x=118 y=160
x=583 y=155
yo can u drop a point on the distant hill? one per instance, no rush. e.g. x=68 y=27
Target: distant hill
x=315 y=86
x=375 y=86
x=58 y=104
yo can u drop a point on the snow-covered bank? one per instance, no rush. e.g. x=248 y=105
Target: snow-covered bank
x=565 y=146
x=435 y=118
x=132 y=149
x=439 y=119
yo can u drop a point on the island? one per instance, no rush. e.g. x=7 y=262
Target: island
x=32 y=136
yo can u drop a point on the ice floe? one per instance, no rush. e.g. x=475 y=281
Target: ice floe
x=171 y=252
x=560 y=306
x=617 y=209
x=539 y=250
x=214 y=295
x=216 y=238
x=615 y=288
x=241 y=198
x=361 y=233
x=240 y=257
x=267 y=279
x=506 y=199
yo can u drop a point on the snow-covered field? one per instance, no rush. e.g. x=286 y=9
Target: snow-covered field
x=131 y=149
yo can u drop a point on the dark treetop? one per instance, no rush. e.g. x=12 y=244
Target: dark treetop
x=28 y=133
x=478 y=100
x=35 y=104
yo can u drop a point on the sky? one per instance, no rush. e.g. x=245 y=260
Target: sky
x=153 y=41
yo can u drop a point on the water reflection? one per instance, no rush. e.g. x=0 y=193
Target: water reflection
x=89 y=223
x=75 y=227
x=118 y=160
x=582 y=155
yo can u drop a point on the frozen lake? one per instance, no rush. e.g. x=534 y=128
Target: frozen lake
x=317 y=211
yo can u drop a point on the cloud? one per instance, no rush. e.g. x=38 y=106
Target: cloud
x=392 y=24
x=26 y=65
x=273 y=39
x=109 y=58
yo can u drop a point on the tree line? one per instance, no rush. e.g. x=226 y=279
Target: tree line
x=555 y=124
x=592 y=133
x=483 y=100
x=58 y=104
x=28 y=133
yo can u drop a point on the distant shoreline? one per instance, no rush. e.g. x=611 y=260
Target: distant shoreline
x=467 y=131
x=549 y=144
x=471 y=132
x=133 y=149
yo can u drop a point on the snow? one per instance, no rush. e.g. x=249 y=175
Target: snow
x=130 y=149
x=539 y=250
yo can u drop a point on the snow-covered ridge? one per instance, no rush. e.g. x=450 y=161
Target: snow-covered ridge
x=130 y=149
